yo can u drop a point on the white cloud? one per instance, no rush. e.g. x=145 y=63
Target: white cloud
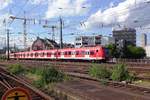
x=69 y=8
x=4 y=3
x=37 y=2
x=130 y=13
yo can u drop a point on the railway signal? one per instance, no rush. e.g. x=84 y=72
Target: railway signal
x=16 y=94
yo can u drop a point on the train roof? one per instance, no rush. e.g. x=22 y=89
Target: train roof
x=83 y=48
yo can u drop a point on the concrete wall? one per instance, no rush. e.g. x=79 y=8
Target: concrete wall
x=147 y=49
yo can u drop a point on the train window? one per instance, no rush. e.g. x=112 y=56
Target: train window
x=54 y=53
x=69 y=52
x=36 y=54
x=48 y=54
x=62 y=53
x=31 y=54
x=91 y=52
x=72 y=53
x=42 y=54
x=28 y=55
x=82 y=52
x=87 y=53
x=65 y=52
x=58 y=53
x=24 y=55
x=77 y=52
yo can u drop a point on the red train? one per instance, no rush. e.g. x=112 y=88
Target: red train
x=87 y=53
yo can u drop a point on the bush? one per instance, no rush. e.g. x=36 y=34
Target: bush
x=99 y=72
x=120 y=73
x=48 y=75
x=3 y=57
x=16 y=69
x=36 y=71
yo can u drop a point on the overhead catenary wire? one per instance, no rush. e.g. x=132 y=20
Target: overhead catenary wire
x=122 y=12
x=20 y=11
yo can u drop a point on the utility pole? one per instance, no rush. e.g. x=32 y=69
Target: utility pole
x=24 y=27
x=61 y=39
x=53 y=34
x=8 y=44
x=25 y=33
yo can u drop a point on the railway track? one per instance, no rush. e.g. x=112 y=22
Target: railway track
x=117 y=85
x=9 y=81
x=79 y=70
x=86 y=64
x=78 y=66
x=139 y=68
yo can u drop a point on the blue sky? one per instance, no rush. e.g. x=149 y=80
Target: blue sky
x=93 y=13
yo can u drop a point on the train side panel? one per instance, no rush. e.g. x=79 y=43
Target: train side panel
x=89 y=53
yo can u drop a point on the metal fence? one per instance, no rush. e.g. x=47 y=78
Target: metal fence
x=142 y=61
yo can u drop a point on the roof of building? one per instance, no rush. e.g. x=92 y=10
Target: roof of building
x=124 y=29
x=47 y=42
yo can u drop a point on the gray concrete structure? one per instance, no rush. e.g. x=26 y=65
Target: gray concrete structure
x=84 y=41
x=147 y=49
x=127 y=34
x=143 y=40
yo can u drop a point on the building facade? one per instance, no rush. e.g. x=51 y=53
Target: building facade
x=143 y=40
x=44 y=44
x=127 y=34
x=147 y=49
x=84 y=41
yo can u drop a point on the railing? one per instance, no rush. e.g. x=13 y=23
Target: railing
x=141 y=61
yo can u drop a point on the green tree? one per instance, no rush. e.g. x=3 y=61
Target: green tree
x=134 y=52
x=112 y=50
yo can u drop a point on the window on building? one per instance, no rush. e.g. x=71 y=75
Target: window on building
x=85 y=43
x=78 y=43
x=78 y=39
